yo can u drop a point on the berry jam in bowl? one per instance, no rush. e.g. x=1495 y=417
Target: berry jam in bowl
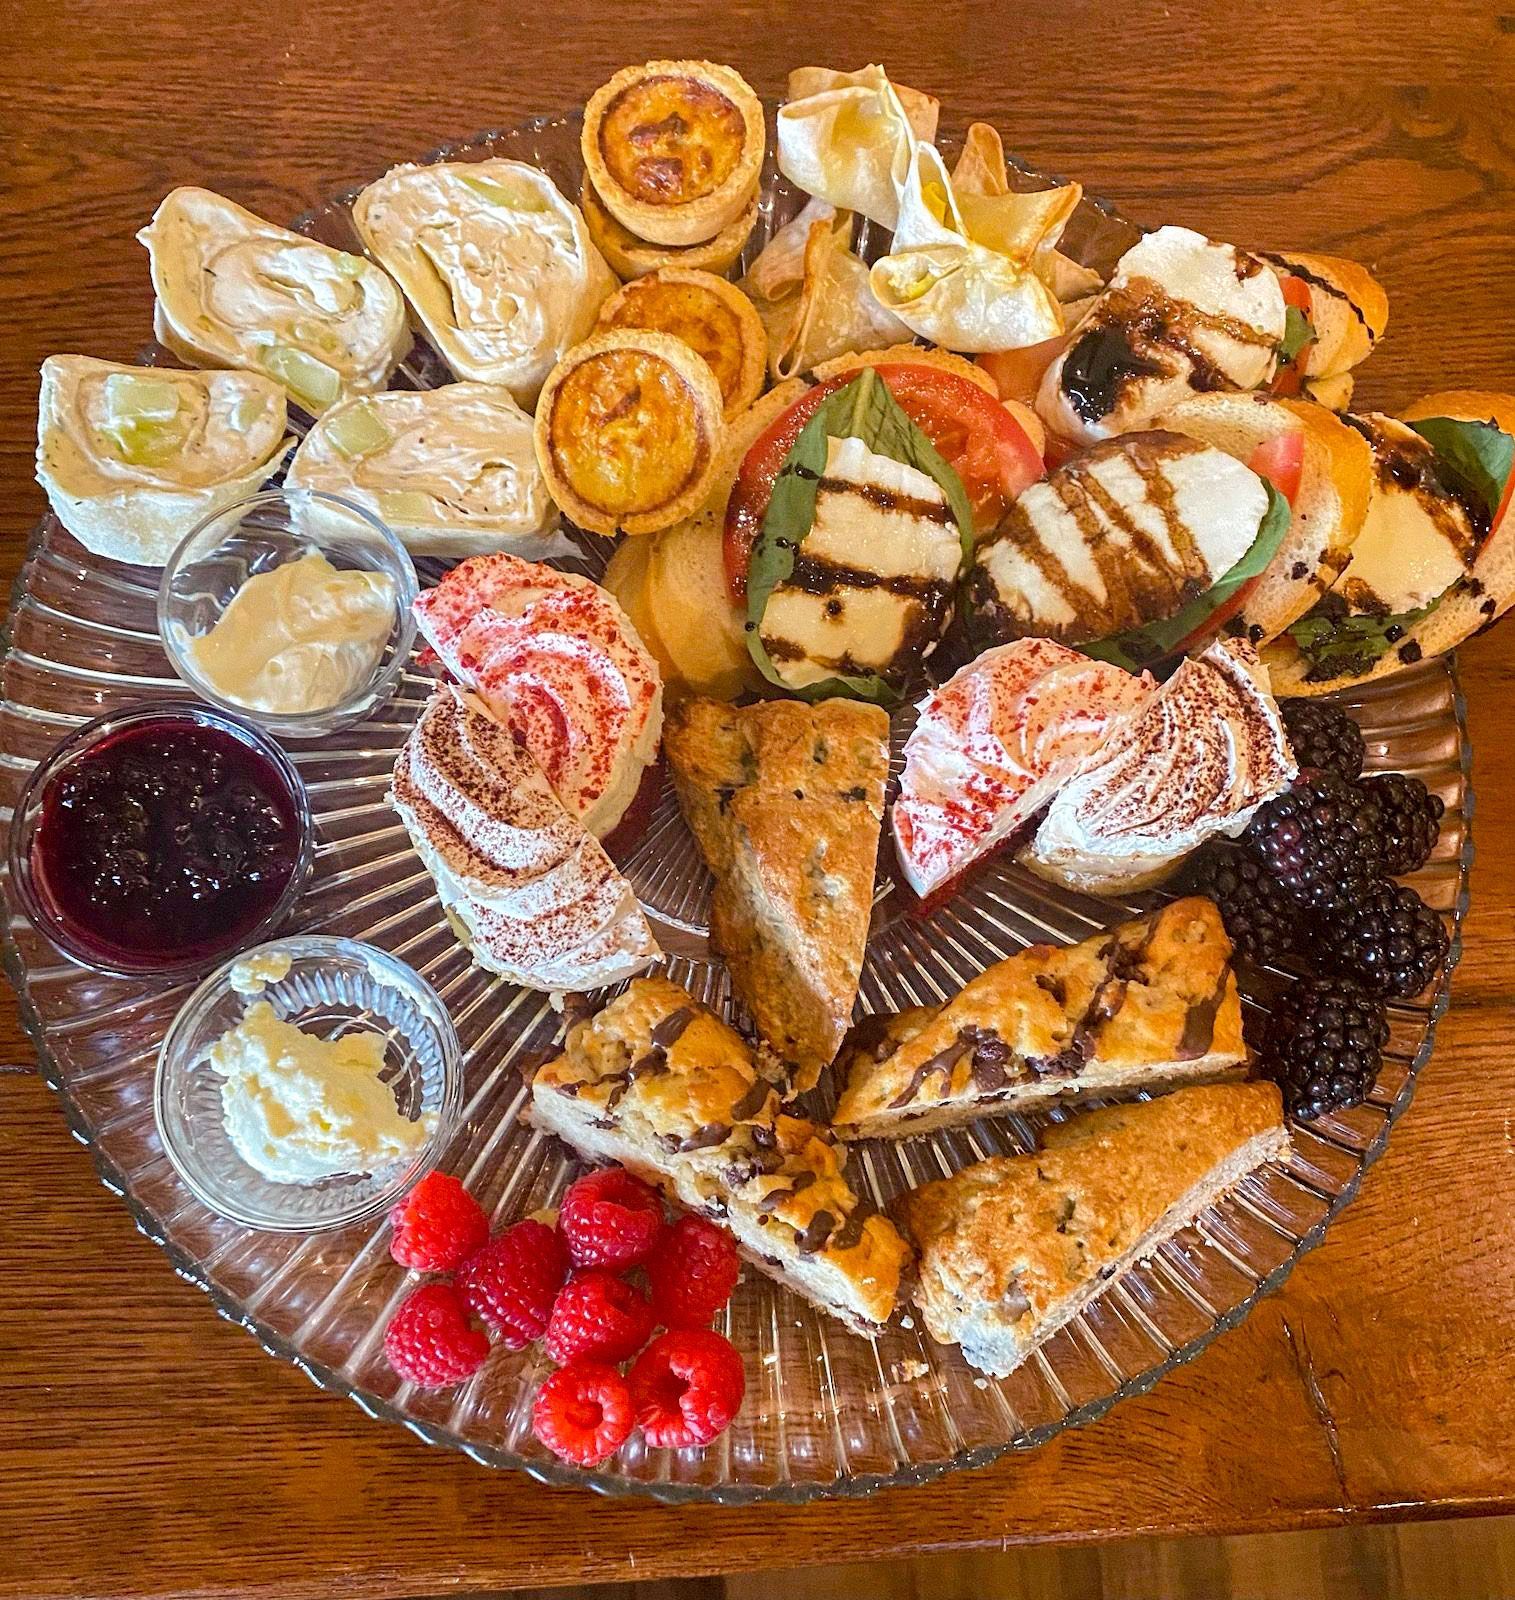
x=156 y=840
x=262 y=1118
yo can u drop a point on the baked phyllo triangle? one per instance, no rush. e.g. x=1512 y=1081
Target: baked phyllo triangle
x=1148 y=1004
x=786 y=801
x=1013 y=1247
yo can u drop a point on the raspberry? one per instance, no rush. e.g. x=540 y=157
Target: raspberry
x=686 y=1387
x=598 y=1314
x=430 y=1341
x=610 y=1219
x=511 y=1283
x=436 y=1225
x=692 y=1272
x=583 y=1412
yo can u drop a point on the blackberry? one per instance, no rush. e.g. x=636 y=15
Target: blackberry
x=1411 y=821
x=1323 y=1045
x=1390 y=941
x=1259 y=916
x=1320 y=840
x=1323 y=737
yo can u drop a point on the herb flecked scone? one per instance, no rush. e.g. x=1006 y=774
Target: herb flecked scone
x=1146 y=1005
x=661 y=1085
x=1012 y=1248
x=786 y=801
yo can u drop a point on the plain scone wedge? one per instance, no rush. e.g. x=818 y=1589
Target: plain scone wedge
x=1149 y=1004
x=1012 y=1248
x=661 y=1085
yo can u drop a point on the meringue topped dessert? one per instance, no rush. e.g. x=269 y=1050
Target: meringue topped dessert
x=990 y=747
x=1195 y=760
x=555 y=659
x=533 y=894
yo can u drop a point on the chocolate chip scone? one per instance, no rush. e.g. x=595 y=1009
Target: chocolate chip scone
x=1012 y=1248
x=660 y=1084
x=785 y=801
x=1146 y=1005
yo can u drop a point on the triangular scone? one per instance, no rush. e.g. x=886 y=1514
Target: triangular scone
x=1148 y=1004
x=1013 y=1247
x=663 y=1086
x=786 y=800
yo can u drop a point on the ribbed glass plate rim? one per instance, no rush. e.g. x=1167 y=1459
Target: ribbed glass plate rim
x=790 y=1493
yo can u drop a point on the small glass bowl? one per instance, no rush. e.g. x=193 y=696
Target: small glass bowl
x=333 y=987
x=29 y=877
x=256 y=535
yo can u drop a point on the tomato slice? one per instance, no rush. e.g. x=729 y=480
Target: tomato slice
x=1281 y=460
x=1289 y=380
x=977 y=437
x=1018 y=374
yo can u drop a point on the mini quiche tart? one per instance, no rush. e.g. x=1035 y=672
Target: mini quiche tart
x=628 y=431
x=714 y=318
x=674 y=148
x=631 y=257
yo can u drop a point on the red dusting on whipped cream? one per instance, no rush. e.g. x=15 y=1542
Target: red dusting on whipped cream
x=554 y=657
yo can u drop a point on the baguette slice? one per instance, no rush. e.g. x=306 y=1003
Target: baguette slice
x=1147 y=1005
x=1335 y=481
x=1013 y=1247
x=663 y=1086
x=1349 y=308
x=1471 y=604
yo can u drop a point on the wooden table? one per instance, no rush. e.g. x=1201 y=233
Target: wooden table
x=146 y=1447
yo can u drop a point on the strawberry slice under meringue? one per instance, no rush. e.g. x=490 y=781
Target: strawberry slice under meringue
x=535 y=894
x=557 y=661
x=992 y=744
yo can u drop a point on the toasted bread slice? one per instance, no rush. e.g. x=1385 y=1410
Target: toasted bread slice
x=1149 y=1004
x=1349 y=308
x=1335 y=482
x=1014 y=1247
x=661 y=1085
x=1481 y=598
x=786 y=801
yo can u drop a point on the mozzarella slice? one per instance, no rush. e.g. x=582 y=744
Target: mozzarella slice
x=1121 y=535
x=872 y=581
x=1180 y=315
x=1417 y=540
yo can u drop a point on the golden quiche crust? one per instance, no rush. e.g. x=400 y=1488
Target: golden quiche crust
x=674 y=148
x=628 y=431
x=713 y=317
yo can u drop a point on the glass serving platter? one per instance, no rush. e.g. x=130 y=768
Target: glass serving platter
x=827 y=1413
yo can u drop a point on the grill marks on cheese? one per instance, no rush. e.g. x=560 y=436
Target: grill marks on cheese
x=1126 y=533
x=871 y=584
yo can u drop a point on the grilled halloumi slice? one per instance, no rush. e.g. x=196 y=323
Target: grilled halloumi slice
x=871 y=587
x=1181 y=315
x=1118 y=536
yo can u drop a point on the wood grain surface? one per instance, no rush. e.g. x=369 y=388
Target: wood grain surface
x=146 y=1447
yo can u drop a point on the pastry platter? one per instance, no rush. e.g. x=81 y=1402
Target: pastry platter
x=826 y=1410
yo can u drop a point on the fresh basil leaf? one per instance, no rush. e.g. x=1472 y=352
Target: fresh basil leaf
x=1480 y=455
x=1298 y=332
x=1339 y=644
x=1156 y=641
x=862 y=409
